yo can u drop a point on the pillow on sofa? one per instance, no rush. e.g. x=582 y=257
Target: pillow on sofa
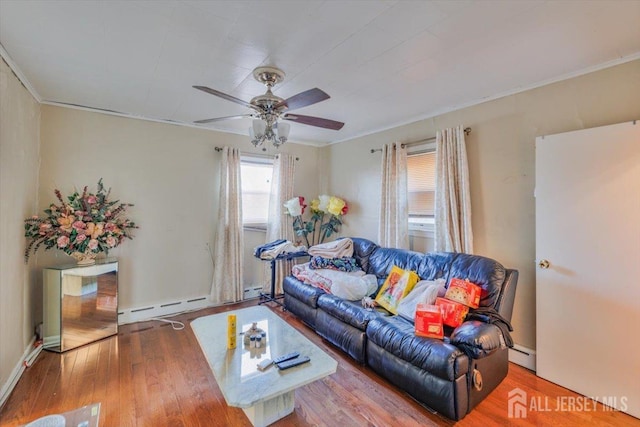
x=398 y=284
x=425 y=291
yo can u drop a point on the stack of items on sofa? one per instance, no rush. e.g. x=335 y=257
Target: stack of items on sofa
x=333 y=269
x=451 y=374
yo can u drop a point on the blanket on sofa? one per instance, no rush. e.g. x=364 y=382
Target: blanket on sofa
x=350 y=286
x=336 y=249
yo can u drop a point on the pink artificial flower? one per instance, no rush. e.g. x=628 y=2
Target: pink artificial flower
x=63 y=241
x=91 y=199
x=110 y=226
x=107 y=214
x=93 y=244
x=79 y=225
x=81 y=238
x=44 y=227
x=111 y=241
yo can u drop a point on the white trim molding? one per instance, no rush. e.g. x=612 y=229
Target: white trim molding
x=523 y=356
x=19 y=74
x=15 y=375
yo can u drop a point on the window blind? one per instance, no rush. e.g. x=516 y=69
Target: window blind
x=421 y=186
x=256 y=189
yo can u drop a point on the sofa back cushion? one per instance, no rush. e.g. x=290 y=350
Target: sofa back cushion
x=362 y=250
x=485 y=272
x=383 y=259
x=436 y=265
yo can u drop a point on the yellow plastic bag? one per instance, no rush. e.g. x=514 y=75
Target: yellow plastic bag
x=398 y=284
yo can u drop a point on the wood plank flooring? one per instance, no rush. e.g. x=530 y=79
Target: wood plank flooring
x=152 y=375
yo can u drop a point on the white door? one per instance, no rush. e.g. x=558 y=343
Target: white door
x=588 y=229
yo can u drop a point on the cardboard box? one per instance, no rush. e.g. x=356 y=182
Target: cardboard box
x=453 y=313
x=464 y=292
x=428 y=321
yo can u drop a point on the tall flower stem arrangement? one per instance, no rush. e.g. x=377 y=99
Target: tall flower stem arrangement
x=326 y=217
x=82 y=226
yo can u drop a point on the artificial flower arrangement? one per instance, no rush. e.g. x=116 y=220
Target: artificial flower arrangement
x=83 y=226
x=329 y=208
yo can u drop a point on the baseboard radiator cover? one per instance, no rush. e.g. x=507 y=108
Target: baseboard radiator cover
x=523 y=356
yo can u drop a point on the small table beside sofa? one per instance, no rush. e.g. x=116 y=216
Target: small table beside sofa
x=450 y=376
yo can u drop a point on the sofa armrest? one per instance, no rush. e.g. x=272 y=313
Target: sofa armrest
x=476 y=339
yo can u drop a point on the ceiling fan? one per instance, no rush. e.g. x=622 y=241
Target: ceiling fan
x=269 y=110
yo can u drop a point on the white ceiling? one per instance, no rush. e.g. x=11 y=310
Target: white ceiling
x=384 y=63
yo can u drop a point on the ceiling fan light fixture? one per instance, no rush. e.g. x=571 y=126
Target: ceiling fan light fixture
x=269 y=110
x=259 y=128
x=282 y=132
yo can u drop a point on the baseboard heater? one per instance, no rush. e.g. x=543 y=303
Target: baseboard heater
x=139 y=314
x=252 y=292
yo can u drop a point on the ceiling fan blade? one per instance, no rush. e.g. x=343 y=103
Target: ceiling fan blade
x=243 y=116
x=225 y=96
x=314 y=121
x=303 y=99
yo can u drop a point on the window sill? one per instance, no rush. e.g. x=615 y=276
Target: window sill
x=422 y=230
x=260 y=228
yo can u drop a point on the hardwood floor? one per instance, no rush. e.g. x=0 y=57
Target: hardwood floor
x=152 y=375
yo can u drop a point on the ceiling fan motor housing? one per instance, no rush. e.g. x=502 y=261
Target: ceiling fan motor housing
x=269 y=76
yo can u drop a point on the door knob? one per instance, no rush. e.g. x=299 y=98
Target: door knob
x=543 y=263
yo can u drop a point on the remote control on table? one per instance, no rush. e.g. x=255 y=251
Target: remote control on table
x=285 y=357
x=264 y=364
x=293 y=362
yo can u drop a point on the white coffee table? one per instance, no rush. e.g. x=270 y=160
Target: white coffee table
x=265 y=396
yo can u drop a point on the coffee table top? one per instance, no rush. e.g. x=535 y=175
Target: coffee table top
x=236 y=372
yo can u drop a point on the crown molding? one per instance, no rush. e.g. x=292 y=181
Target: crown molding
x=19 y=74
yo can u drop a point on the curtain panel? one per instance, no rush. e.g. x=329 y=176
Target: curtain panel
x=280 y=225
x=453 y=201
x=393 y=231
x=227 y=283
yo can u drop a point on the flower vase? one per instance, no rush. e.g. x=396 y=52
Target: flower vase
x=84 y=258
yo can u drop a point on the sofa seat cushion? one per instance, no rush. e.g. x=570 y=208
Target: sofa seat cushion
x=396 y=336
x=349 y=312
x=307 y=294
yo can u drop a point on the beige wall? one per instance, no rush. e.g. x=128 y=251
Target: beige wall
x=501 y=162
x=19 y=141
x=170 y=173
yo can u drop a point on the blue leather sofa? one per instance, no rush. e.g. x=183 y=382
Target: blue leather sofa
x=450 y=376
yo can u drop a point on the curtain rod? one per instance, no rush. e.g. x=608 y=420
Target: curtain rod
x=467 y=131
x=264 y=156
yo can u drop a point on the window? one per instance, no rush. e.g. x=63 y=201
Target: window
x=256 y=188
x=421 y=190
